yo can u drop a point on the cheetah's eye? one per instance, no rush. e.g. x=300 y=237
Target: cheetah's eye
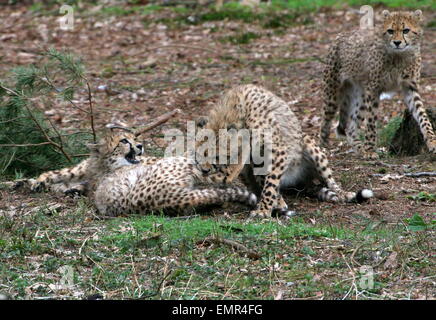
x=390 y=31
x=405 y=31
x=124 y=141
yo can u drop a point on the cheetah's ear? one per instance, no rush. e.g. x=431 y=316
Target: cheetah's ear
x=386 y=14
x=201 y=122
x=417 y=15
x=113 y=126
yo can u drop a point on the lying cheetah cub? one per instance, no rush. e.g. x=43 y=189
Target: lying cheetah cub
x=116 y=149
x=121 y=181
x=365 y=63
x=293 y=157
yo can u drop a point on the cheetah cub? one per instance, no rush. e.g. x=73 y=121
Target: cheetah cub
x=363 y=64
x=120 y=180
x=290 y=158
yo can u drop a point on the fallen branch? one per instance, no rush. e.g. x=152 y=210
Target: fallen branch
x=421 y=174
x=233 y=244
x=25 y=145
x=410 y=175
x=162 y=119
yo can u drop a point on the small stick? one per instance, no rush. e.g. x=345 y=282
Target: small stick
x=162 y=119
x=411 y=174
x=91 y=111
x=25 y=145
x=186 y=217
x=168 y=46
x=421 y=174
x=235 y=245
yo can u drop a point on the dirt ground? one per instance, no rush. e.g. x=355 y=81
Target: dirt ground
x=152 y=64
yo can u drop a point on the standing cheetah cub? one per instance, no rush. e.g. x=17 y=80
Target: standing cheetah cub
x=121 y=181
x=293 y=157
x=365 y=63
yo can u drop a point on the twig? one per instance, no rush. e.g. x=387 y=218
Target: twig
x=47 y=81
x=135 y=276
x=162 y=119
x=186 y=217
x=12 y=120
x=81 y=155
x=47 y=137
x=235 y=245
x=411 y=174
x=175 y=46
x=353 y=285
x=91 y=112
x=57 y=145
x=84 y=242
x=167 y=274
x=25 y=145
x=354 y=253
x=421 y=174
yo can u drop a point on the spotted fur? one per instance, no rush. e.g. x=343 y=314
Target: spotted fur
x=294 y=157
x=117 y=148
x=121 y=181
x=169 y=183
x=363 y=64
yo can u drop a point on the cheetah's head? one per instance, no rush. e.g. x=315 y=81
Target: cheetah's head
x=118 y=148
x=402 y=30
x=217 y=147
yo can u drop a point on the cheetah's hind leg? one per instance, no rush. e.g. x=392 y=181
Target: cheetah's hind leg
x=210 y=196
x=333 y=192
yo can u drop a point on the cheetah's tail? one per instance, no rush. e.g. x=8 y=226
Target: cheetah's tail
x=363 y=195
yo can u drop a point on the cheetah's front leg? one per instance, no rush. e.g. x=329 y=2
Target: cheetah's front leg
x=414 y=103
x=270 y=198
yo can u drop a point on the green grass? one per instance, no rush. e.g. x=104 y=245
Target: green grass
x=241 y=38
x=317 y=4
x=128 y=10
x=270 y=17
x=159 y=257
x=235 y=11
x=387 y=133
x=423 y=196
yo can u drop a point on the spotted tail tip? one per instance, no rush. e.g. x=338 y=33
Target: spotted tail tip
x=364 y=195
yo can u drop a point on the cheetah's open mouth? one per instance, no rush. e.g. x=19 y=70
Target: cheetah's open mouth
x=131 y=157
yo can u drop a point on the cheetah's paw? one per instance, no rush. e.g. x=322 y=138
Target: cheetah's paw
x=37 y=186
x=283 y=212
x=370 y=155
x=73 y=192
x=432 y=146
x=260 y=214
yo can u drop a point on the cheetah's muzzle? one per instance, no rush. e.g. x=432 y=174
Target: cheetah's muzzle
x=131 y=157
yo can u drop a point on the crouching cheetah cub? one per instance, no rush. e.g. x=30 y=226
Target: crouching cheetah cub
x=361 y=65
x=120 y=180
x=289 y=158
